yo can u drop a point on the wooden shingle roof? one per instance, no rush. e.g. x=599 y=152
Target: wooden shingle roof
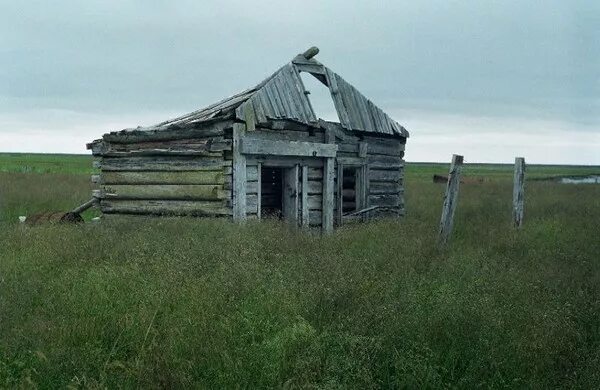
x=283 y=96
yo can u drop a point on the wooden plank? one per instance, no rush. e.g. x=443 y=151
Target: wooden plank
x=340 y=197
x=518 y=192
x=162 y=177
x=160 y=163
x=384 y=200
x=249 y=117
x=284 y=135
x=259 y=190
x=385 y=187
x=164 y=207
x=385 y=175
x=165 y=191
x=239 y=174
x=385 y=162
x=305 y=209
x=288 y=161
x=328 y=189
x=315 y=173
x=286 y=148
x=195 y=130
x=450 y=200
x=290 y=195
x=362 y=149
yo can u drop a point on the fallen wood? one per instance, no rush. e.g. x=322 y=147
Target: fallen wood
x=85 y=206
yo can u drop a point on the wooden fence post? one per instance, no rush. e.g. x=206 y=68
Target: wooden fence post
x=450 y=200
x=518 y=191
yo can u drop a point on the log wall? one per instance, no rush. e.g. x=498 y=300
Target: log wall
x=191 y=172
x=164 y=173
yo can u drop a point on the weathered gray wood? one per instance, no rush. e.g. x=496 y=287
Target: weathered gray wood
x=285 y=135
x=165 y=191
x=518 y=192
x=362 y=149
x=215 y=176
x=239 y=174
x=385 y=175
x=258 y=190
x=287 y=162
x=328 y=189
x=385 y=187
x=389 y=200
x=315 y=173
x=85 y=206
x=164 y=207
x=305 y=209
x=196 y=130
x=310 y=52
x=311 y=68
x=340 y=197
x=161 y=163
x=450 y=200
x=286 y=148
x=290 y=195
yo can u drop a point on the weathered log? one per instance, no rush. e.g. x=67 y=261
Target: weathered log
x=215 y=176
x=160 y=163
x=310 y=52
x=165 y=191
x=80 y=209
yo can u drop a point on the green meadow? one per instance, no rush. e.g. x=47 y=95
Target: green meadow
x=200 y=303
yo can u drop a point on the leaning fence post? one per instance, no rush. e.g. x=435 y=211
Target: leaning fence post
x=450 y=200
x=518 y=191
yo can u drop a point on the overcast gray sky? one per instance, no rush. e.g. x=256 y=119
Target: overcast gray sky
x=487 y=79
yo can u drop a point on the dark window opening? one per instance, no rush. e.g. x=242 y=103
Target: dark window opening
x=319 y=97
x=349 y=190
x=271 y=190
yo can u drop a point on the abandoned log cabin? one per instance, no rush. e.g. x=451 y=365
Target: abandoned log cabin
x=262 y=152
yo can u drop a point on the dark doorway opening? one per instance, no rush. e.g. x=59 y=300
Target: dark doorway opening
x=271 y=192
x=349 y=190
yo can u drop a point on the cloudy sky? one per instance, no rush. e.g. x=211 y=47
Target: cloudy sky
x=487 y=79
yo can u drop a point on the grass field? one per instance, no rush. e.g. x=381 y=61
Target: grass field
x=171 y=303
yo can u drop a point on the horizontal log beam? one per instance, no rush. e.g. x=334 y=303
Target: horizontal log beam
x=286 y=148
x=215 y=176
x=167 y=191
x=179 y=163
x=194 y=130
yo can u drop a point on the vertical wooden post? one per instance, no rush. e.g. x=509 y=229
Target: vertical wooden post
x=259 y=191
x=239 y=174
x=305 y=212
x=328 y=177
x=290 y=195
x=518 y=191
x=340 y=194
x=450 y=200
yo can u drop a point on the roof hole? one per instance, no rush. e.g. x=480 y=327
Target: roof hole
x=320 y=98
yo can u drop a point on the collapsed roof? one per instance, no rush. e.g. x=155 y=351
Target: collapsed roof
x=283 y=96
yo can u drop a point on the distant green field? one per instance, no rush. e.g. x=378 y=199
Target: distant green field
x=82 y=164
x=45 y=163
x=206 y=303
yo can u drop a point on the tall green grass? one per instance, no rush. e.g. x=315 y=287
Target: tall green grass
x=180 y=302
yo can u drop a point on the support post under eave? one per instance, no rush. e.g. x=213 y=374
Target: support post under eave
x=328 y=188
x=239 y=174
